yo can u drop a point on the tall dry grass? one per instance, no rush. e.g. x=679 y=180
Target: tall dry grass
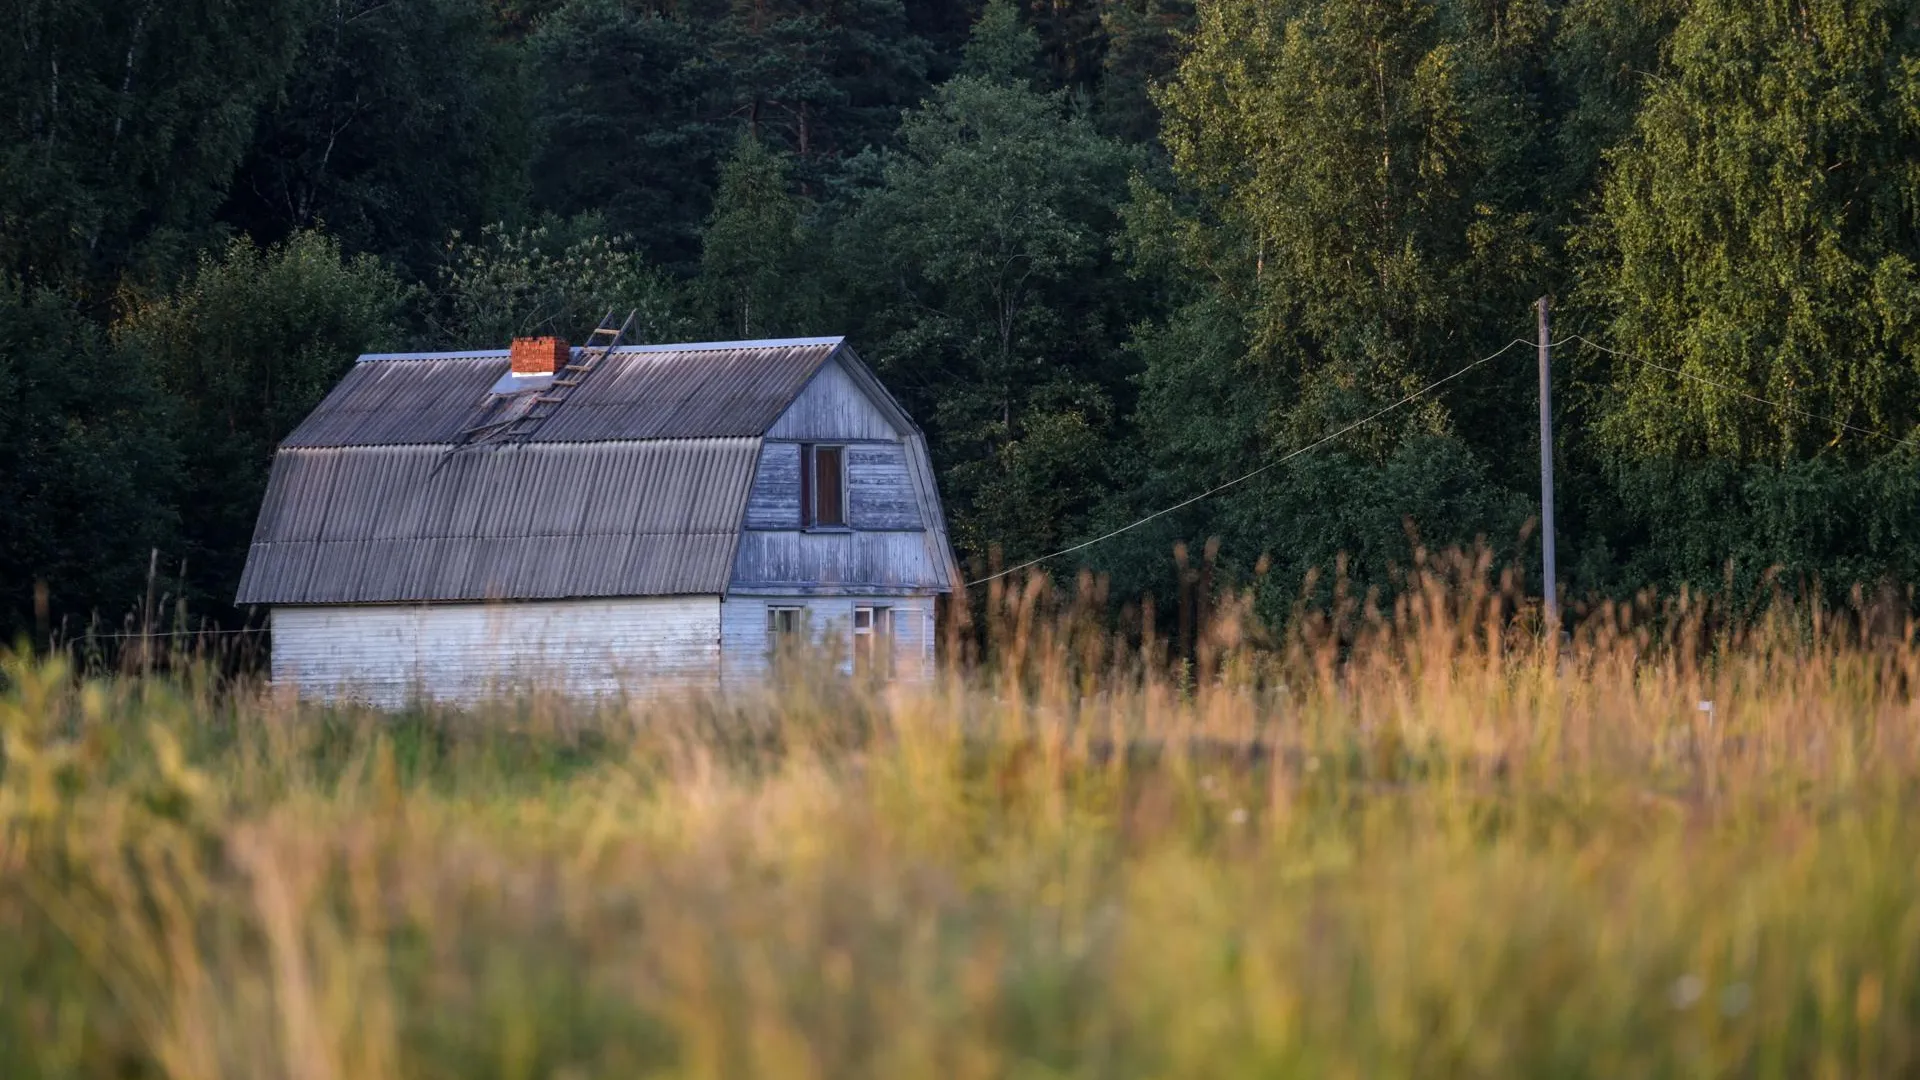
x=1392 y=842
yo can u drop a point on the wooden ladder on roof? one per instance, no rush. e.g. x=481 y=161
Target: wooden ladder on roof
x=599 y=344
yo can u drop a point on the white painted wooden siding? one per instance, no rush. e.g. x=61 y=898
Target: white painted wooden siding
x=774 y=502
x=852 y=560
x=743 y=632
x=880 y=491
x=832 y=407
x=881 y=494
x=388 y=655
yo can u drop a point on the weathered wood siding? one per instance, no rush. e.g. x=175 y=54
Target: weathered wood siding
x=836 y=561
x=880 y=488
x=880 y=492
x=746 y=647
x=390 y=654
x=895 y=542
x=832 y=407
x=774 y=502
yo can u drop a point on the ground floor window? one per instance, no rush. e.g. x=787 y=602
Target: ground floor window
x=786 y=629
x=873 y=642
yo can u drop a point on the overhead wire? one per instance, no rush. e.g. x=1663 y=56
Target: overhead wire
x=1416 y=395
x=1244 y=477
x=1316 y=444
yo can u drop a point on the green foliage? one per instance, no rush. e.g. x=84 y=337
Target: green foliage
x=1349 y=227
x=751 y=260
x=1606 y=55
x=1724 y=525
x=559 y=277
x=622 y=125
x=247 y=346
x=1110 y=253
x=1761 y=230
x=1430 y=492
x=636 y=105
x=1408 y=844
x=513 y=20
x=822 y=79
x=1144 y=43
x=399 y=124
x=89 y=465
x=989 y=297
x=122 y=124
x=1002 y=48
x=1350 y=163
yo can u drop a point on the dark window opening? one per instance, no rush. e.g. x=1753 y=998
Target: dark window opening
x=823 y=487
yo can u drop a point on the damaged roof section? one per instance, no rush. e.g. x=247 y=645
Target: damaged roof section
x=636 y=486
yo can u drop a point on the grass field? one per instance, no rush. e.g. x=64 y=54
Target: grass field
x=1407 y=844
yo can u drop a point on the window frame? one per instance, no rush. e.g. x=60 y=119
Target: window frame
x=875 y=643
x=797 y=615
x=810 y=488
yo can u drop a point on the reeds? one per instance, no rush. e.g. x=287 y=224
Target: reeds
x=1400 y=840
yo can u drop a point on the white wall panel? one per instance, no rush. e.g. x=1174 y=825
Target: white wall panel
x=390 y=654
x=880 y=491
x=774 y=502
x=768 y=561
x=743 y=632
x=832 y=407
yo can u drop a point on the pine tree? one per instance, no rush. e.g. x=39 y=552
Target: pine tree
x=1002 y=49
x=748 y=265
x=626 y=125
x=820 y=79
x=1144 y=44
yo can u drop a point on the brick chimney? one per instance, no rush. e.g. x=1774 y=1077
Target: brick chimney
x=540 y=355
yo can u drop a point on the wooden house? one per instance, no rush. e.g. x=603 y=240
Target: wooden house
x=449 y=525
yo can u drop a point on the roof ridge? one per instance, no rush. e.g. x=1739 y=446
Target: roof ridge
x=441 y=446
x=651 y=391
x=680 y=346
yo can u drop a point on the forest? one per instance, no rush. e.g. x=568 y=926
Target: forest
x=1110 y=253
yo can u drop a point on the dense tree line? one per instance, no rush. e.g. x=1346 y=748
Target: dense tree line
x=1110 y=252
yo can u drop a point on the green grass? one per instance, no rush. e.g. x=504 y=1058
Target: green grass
x=1422 y=852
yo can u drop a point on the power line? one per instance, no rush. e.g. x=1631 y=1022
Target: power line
x=1322 y=441
x=1736 y=391
x=1410 y=398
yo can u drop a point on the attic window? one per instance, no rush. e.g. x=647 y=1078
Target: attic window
x=823 y=487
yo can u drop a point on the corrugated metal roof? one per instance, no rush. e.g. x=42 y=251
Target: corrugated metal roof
x=416 y=523
x=708 y=390
x=634 y=485
x=403 y=403
x=684 y=395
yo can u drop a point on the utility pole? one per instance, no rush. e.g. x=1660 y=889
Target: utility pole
x=1551 y=584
